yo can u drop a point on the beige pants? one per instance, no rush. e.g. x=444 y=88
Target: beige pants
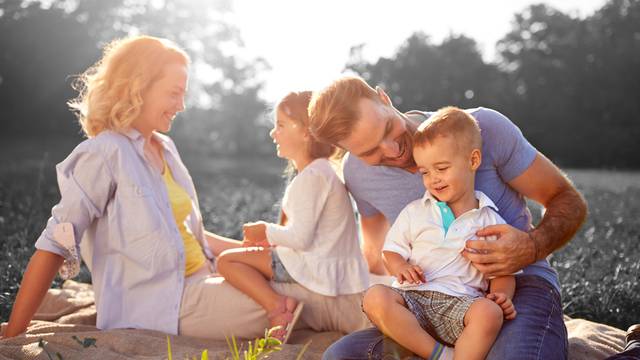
x=212 y=308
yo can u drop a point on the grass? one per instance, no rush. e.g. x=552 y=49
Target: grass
x=599 y=269
x=260 y=348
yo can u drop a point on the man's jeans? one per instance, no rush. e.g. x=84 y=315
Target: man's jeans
x=537 y=332
x=631 y=352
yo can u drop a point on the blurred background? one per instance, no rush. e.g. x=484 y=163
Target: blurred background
x=566 y=72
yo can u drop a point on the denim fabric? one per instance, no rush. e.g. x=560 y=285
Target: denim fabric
x=280 y=273
x=368 y=344
x=631 y=352
x=537 y=332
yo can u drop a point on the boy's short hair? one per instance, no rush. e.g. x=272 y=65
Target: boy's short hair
x=450 y=121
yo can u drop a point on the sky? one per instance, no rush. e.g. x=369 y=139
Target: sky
x=307 y=43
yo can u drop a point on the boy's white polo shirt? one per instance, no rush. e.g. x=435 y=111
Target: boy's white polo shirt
x=419 y=237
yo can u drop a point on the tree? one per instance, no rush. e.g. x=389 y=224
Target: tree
x=69 y=34
x=539 y=54
x=35 y=80
x=575 y=80
x=422 y=75
x=569 y=83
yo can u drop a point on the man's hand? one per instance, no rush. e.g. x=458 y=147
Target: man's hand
x=255 y=234
x=511 y=252
x=410 y=273
x=505 y=304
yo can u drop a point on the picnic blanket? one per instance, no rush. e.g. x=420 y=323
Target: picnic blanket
x=65 y=324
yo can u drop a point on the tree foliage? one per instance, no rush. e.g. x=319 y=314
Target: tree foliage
x=571 y=84
x=45 y=43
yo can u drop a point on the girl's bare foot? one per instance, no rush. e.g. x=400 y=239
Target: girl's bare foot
x=285 y=315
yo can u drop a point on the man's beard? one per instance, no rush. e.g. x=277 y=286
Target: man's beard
x=405 y=159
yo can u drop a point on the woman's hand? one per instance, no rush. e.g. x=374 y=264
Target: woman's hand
x=255 y=234
x=505 y=304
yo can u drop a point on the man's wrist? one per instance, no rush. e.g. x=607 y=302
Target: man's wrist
x=536 y=251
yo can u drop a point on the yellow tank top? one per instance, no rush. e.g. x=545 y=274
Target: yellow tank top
x=181 y=206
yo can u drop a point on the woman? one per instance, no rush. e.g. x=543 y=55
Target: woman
x=126 y=193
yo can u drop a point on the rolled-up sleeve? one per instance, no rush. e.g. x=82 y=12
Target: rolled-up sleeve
x=86 y=185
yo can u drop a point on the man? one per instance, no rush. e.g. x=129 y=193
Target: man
x=381 y=175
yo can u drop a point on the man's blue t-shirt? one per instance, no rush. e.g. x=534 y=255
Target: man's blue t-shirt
x=505 y=155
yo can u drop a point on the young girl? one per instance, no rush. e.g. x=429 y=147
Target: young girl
x=316 y=245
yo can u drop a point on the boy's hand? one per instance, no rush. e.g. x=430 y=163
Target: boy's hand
x=410 y=273
x=505 y=303
x=255 y=234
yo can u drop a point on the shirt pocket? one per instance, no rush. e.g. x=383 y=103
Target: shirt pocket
x=138 y=214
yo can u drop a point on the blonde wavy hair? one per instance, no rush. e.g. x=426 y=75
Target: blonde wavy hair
x=110 y=91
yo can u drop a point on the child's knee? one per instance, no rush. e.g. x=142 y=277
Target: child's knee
x=488 y=313
x=222 y=262
x=376 y=299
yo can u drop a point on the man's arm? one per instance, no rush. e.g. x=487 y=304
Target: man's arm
x=565 y=207
x=565 y=212
x=374 y=229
